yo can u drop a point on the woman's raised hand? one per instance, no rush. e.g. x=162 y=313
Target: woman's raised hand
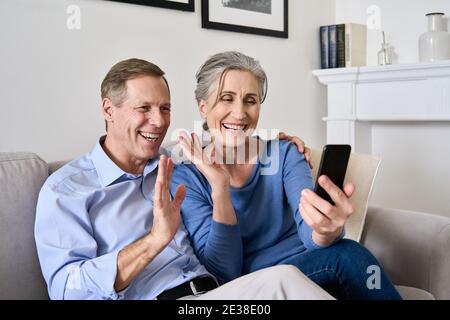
x=205 y=160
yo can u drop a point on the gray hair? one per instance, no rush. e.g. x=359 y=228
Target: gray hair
x=216 y=67
x=114 y=85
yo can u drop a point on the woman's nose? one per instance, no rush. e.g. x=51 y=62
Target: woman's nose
x=238 y=111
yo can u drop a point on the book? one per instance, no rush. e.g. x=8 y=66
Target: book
x=332 y=46
x=324 y=44
x=343 y=45
x=340 y=40
x=355 y=45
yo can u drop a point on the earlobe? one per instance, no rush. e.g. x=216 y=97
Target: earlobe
x=107 y=110
x=202 y=108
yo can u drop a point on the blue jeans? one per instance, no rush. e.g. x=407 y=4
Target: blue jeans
x=346 y=270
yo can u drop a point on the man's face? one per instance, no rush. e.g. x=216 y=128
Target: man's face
x=139 y=125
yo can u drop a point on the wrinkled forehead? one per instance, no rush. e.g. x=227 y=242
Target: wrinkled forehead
x=148 y=88
x=235 y=81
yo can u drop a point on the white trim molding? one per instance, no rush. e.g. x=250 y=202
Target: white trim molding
x=404 y=92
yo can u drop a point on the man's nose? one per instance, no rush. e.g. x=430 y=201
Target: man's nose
x=156 y=119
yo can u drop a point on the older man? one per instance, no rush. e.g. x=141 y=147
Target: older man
x=106 y=226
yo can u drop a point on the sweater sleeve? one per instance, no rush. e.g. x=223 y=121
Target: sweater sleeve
x=296 y=177
x=218 y=246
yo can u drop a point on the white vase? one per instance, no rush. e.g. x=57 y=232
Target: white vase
x=434 y=45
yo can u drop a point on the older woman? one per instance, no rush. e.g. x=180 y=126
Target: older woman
x=243 y=217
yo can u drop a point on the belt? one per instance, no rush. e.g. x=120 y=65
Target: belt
x=194 y=287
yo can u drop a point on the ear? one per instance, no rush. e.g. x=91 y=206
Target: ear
x=203 y=108
x=107 y=110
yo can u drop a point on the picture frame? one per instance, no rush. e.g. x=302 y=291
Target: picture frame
x=184 y=5
x=262 y=17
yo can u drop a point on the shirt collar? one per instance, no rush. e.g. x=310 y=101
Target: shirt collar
x=108 y=171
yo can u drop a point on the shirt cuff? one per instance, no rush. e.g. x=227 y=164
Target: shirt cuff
x=306 y=237
x=222 y=231
x=100 y=275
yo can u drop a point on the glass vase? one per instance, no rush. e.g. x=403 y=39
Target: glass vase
x=434 y=44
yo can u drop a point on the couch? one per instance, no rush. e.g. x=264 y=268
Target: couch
x=413 y=247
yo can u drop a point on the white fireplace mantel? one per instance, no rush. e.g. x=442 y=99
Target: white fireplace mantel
x=403 y=92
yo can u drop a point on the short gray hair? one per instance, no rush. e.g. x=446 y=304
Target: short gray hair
x=114 y=84
x=217 y=65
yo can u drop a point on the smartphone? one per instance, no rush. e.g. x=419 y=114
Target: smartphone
x=333 y=164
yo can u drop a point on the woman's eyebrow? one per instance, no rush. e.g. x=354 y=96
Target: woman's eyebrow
x=234 y=93
x=228 y=92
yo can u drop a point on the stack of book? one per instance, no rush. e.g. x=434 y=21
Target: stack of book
x=343 y=45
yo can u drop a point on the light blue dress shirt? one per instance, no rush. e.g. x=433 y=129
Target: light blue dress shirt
x=87 y=212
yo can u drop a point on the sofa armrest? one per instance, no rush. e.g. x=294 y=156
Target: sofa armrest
x=413 y=248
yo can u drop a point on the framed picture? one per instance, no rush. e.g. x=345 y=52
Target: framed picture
x=185 y=5
x=264 y=17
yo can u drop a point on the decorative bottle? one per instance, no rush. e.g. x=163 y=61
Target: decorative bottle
x=385 y=53
x=434 y=44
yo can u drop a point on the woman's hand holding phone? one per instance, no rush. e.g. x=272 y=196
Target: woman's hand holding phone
x=327 y=220
x=327 y=209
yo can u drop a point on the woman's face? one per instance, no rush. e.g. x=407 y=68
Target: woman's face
x=235 y=116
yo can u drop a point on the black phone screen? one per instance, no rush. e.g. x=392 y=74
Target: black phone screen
x=333 y=164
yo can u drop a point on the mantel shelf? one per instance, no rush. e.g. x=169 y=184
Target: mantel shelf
x=390 y=117
x=396 y=72
x=417 y=92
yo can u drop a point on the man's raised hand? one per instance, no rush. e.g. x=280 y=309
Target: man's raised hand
x=166 y=212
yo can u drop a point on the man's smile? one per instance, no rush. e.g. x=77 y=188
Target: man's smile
x=149 y=136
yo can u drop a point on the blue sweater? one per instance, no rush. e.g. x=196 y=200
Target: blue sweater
x=270 y=229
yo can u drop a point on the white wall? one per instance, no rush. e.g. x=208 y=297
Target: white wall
x=50 y=76
x=402 y=20
x=415 y=171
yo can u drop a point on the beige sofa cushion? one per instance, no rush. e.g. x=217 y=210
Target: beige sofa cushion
x=411 y=293
x=361 y=170
x=21 y=177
